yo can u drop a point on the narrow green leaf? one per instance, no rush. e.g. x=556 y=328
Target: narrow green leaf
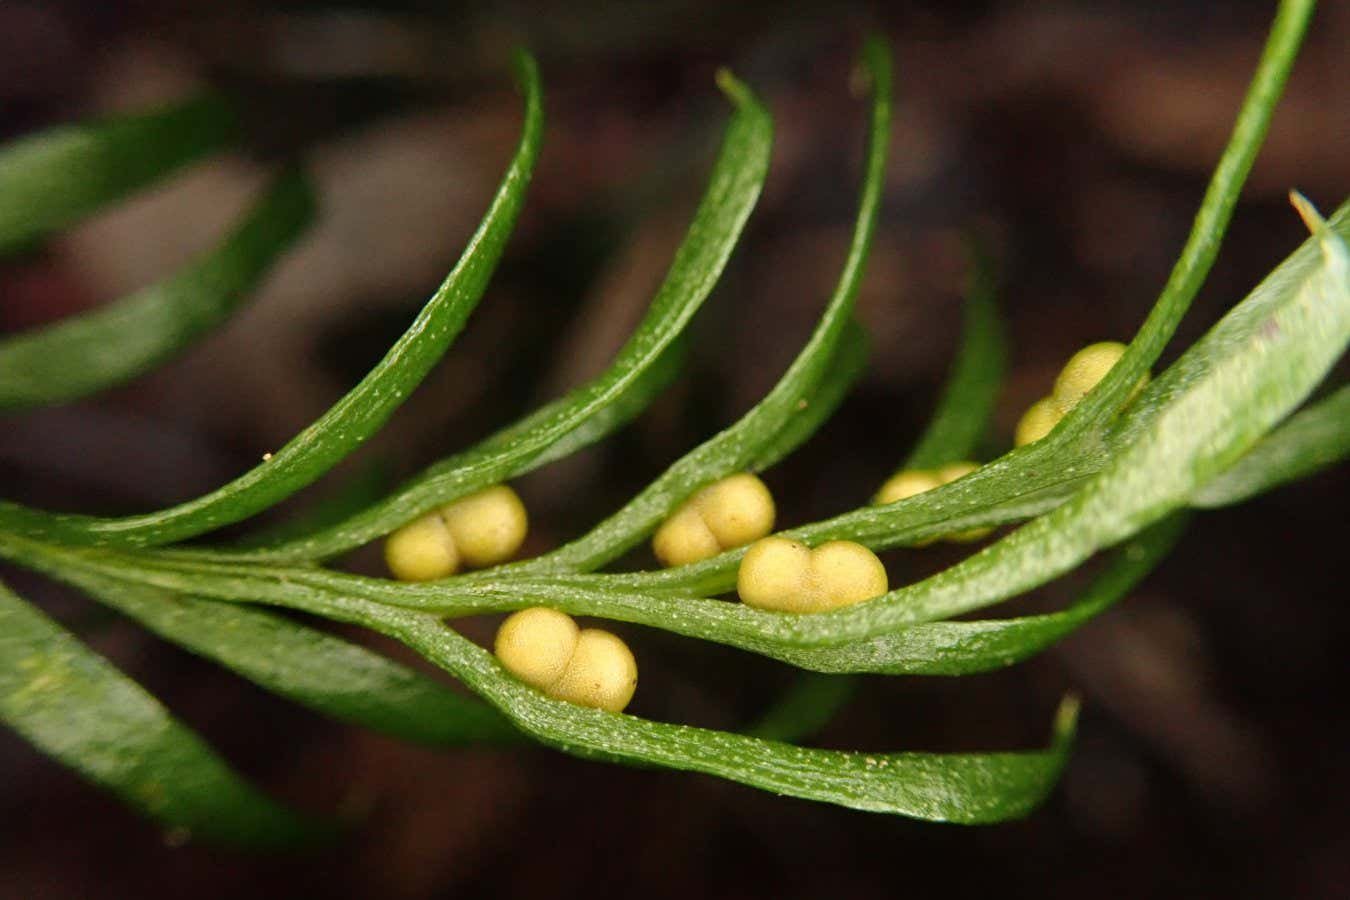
x=352 y=419
x=100 y=349
x=1311 y=440
x=972 y=387
x=964 y=648
x=55 y=178
x=752 y=438
x=1211 y=222
x=845 y=367
x=1196 y=420
x=961 y=418
x=75 y=707
x=325 y=673
x=637 y=372
x=804 y=708
x=968 y=788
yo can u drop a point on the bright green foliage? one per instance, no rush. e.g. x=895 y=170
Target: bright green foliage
x=1218 y=426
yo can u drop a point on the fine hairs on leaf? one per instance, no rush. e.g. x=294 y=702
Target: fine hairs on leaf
x=1116 y=476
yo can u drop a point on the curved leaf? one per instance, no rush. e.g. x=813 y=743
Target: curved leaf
x=352 y=419
x=1197 y=419
x=55 y=178
x=753 y=437
x=1313 y=439
x=75 y=707
x=639 y=368
x=968 y=788
x=971 y=390
x=327 y=674
x=964 y=648
x=1211 y=222
x=97 y=350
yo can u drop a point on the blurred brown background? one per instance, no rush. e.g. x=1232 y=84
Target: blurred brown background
x=1079 y=135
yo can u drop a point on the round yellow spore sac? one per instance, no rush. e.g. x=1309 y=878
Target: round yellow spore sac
x=1085 y=370
x=787 y=576
x=482 y=529
x=905 y=484
x=1039 y=420
x=536 y=645
x=602 y=673
x=725 y=514
x=589 y=667
x=949 y=473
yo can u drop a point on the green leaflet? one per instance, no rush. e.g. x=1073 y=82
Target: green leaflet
x=1211 y=222
x=55 y=178
x=352 y=419
x=962 y=416
x=1313 y=439
x=75 y=707
x=968 y=397
x=964 y=648
x=769 y=429
x=806 y=707
x=1253 y=367
x=642 y=364
x=100 y=349
x=325 y=673
x=967 y=788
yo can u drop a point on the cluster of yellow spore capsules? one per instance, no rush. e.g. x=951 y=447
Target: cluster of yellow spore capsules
x=1084 y=370
x=587 y=666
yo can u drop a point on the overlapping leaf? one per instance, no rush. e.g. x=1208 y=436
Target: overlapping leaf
x=55 y=178
x=76 y=707
x=90 y=352
x=352 y=419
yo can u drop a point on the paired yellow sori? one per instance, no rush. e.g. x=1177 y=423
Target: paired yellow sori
x=589 y=667
x=545 y=649
x=910 y=482
x=479 y=530
x=726 y=514
x=776 y=573
x=1084 y=370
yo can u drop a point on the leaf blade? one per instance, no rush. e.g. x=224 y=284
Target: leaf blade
x=74 y=706
x=55 y=178
x=356 y=416
x=334 y=677
x=90 y=352
x=645 y=362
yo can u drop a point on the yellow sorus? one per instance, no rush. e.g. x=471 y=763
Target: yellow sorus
x=911 y=482
x=1085 y=370
x=787 y=576
x=725 y=514
x=586 y=666
x=1039 y=420
x=482 y=529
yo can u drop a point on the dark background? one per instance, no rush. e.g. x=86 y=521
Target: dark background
x=1079 y=136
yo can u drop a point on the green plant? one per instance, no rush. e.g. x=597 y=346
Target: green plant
x=1118 y=471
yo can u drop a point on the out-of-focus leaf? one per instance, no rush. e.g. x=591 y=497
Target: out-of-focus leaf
x=968 y=397
x=75 y=707
x=325 y=673
x=354 y=418
x=103 y=348
x=640 y=368
x=55 y=178
x=1311 y=440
